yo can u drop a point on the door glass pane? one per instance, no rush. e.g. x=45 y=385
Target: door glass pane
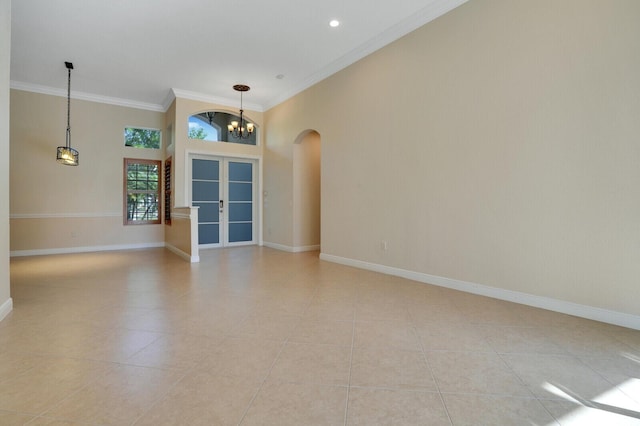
x=240 y=172
x=240 y=212
x=208 y=212
x=205 y=191
x=240 y=232
x=205 y=169
x=208 y=233
x=240 y=191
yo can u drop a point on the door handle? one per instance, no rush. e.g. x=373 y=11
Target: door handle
x=221 y=205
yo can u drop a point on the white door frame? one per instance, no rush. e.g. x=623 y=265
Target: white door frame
x=209 y=155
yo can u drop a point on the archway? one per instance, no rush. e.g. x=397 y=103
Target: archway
x=306 y=191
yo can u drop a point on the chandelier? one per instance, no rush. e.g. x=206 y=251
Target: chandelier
x=241 y=129
x=65 y=154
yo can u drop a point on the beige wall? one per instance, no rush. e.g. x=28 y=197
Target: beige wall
x=5 y=50
x=306 y=191
x=181 y=235
x=184 y=108
x=283 y=125
x=178 y=234
x=62 y=207
x=45 y=218
x=497 y=145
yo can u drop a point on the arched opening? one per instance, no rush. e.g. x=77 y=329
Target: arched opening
x=212 y=126
x=306 y=191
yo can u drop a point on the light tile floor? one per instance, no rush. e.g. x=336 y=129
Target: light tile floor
x=254 y=336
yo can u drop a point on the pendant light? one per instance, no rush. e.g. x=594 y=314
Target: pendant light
x=238 y=129
x=67 y=155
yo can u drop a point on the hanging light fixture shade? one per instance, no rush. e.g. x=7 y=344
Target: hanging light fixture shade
x=241 y=129
x=65 y=154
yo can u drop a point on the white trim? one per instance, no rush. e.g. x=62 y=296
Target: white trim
x=5 y=308
x=83 y=96
x=182 y=254
x=227 y=102
x=168 y=100
x=218 y=153
x=280 y=247
x=181 y=215
x=291 y=249
x=260 y=200
x=422 y=17
x=86 y=249
x=299 y=249
x=257 y=159
x=189 y=154
x=62 y=215
x=570 y=308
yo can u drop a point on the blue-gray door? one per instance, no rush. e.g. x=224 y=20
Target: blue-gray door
x=224 y=191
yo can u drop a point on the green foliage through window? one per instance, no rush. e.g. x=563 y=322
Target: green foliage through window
x=197 y=133
x=142 y=191
x=142 y=138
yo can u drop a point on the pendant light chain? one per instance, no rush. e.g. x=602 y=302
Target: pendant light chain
x=68 y=143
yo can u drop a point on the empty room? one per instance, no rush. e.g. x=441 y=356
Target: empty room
x=419 y=212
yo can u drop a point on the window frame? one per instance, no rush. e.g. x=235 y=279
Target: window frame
x=127 y=191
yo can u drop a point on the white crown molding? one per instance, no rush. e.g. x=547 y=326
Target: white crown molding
x=570 y=308
x=168 y=100
x=227 y=102
x=413 y=22
x=422 y=17
x=46 y=90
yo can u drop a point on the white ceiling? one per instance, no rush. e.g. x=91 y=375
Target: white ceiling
x=135 y=51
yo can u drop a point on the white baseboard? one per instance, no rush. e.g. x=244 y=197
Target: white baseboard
x=186 y=256
x=570 y=308
x=291 y=249
x=5 y=308
x=300 y=249
x=278 y=246
x=86 y=249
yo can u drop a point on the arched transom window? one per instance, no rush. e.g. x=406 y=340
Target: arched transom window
x=213 y=126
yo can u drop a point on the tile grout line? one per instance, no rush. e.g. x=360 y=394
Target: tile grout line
x=500 y=355
x=266 y=376
x=353 y=338
x=264 y=380
x=426 y=360
x=161 y=397
x=312 y=291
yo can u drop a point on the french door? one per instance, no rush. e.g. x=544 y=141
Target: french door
x=224 y=189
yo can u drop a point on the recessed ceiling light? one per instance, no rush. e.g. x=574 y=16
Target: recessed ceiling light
x=334 y=23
